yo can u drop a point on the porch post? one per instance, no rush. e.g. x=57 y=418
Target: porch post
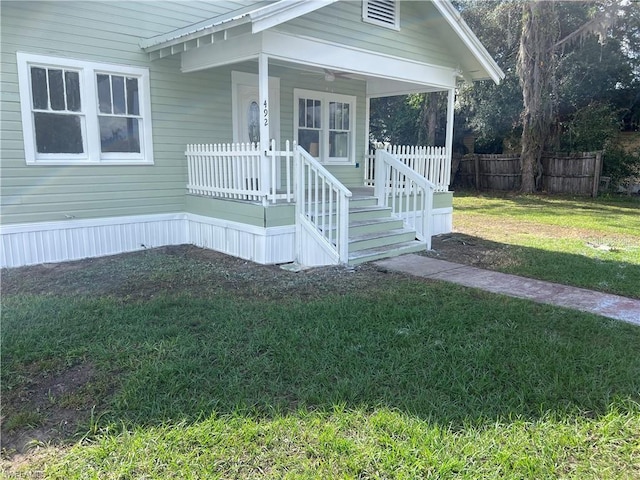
x=449 y=135
x=263 y=93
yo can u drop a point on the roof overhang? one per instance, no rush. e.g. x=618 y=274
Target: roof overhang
x=464 y=32
x=250 y=23
x=256 y=18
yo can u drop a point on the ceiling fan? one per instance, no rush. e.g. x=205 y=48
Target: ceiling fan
x=330 y=75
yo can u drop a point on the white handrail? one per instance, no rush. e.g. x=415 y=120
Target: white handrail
x=406 y=192
x=433 y=163
x=322 y=203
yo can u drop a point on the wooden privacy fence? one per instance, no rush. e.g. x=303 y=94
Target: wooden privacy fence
x=573 y=173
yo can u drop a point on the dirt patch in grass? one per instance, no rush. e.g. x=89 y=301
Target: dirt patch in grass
x=471 y=250
x=48 y=407
x=183 y=269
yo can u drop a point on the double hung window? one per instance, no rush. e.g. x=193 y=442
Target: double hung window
x=77 y=112
x=325 y=125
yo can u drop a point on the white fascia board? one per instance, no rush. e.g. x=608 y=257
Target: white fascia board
x=464 y=32
x=322 y=54
x=283 y=11
x=217 y=54
x=380 y=87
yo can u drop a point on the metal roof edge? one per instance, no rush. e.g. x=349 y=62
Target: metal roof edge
x=262 y=18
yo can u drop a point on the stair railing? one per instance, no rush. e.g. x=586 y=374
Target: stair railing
x=406 y=192
x=322 y=209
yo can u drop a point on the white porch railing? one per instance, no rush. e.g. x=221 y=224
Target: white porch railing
x=433 y=163
x=322 y=212
x=240 y=171
x=406 y=192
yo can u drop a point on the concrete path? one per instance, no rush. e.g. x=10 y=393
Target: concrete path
x=612 y=306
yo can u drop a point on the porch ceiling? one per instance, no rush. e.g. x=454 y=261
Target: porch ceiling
x=385 y=75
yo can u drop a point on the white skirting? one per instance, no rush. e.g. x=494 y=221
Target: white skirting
x=50 y=242
x=261 y=245
x=442 y=220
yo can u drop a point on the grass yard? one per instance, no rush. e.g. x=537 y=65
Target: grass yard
x=185 y=363
x=585 y=242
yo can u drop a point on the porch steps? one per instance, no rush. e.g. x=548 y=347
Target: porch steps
x=375 y=234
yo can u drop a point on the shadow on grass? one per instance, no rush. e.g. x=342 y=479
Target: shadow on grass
x=600 y=205
x=604 y=270
x=448 y=354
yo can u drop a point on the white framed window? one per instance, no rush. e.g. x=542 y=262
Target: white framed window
x=325 y=125
x=77 y=112
x=385 y=13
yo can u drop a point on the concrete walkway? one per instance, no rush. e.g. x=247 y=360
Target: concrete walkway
x=612 y=306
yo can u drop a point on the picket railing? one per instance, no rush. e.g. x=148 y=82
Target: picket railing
x=240 y=171
x=406 y=192
x=433 y=163
x=322 y=211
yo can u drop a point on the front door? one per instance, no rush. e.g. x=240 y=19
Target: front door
x=247 y=112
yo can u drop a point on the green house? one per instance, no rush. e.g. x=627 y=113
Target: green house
x=240 y=126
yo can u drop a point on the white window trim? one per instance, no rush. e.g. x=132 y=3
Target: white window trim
x=325 y=98
x=89 y=99
x=366 y=18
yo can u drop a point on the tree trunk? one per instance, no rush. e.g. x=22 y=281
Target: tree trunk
x=428 y=118
x=535 y=67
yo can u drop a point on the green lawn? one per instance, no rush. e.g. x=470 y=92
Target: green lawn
x=590 y=243
x=232 y=370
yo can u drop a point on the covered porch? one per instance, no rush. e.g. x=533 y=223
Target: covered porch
x=298 y=141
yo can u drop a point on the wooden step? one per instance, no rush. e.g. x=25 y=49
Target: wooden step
x=361 y=256
x=385 y=238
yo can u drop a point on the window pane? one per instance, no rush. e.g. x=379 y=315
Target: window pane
x=72 y=84
x=56 y=90
x=119 y=134
x=254 y=122
x=133 y=104
x=117 y=86
x=316 y=113
x=332 y=115
x=39 y=89
x=104 y=93
x=310 y=141
x=57 y=133
x=338 y=144
x=302 y=112
x=309 y=118
x=345 y=116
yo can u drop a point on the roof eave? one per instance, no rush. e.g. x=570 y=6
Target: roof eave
x=464 y=32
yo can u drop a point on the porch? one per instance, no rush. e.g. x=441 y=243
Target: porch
x=308 y=215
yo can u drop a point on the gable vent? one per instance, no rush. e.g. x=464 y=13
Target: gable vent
x=381 y=12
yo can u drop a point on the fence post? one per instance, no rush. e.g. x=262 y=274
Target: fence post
x=476 y=167
x=596 y=174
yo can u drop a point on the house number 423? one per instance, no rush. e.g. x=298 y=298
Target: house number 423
x=265 y=114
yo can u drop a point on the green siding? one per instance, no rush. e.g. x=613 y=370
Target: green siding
x=184 y=108
x=442 y=199
x=280 y=215
x=419 y=37
x=234 y=211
